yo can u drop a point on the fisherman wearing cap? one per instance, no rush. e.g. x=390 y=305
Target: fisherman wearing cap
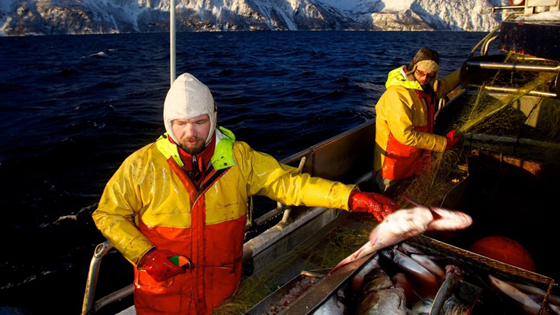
x=404 y=120
x=183 y=200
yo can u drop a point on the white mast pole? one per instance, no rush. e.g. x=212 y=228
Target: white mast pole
x=172 y=41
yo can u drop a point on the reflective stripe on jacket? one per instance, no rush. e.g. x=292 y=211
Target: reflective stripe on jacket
x=404 y=125
x=150 y=202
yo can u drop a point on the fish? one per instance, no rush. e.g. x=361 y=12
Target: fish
x=549 y=308
x=450 y=220
x=389 y=301
x=418 y=274
x=331 y=307
x=538 y=295
x=413 y=268
x=358 y=279
x=410 y=291
x=404 y=224
x=422 y=307
x=554 y=308
x=429 y=264
x=444 y=220
x=409 y=249
x=395 y=228
x=376 y=280
x=378 y=295
x=552 y=298
x=528 y=304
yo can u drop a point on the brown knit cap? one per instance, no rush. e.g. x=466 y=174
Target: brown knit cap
x=423 y=54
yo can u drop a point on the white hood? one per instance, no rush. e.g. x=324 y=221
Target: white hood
x=188 y=98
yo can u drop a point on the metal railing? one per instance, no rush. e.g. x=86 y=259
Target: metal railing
x=89 y=304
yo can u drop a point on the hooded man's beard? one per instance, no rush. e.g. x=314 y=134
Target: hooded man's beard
x=193 y=149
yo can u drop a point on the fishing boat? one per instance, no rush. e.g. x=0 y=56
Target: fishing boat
x=506 y=179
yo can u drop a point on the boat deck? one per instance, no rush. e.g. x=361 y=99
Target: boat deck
x=315 y=256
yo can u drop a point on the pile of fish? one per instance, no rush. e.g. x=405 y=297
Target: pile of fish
x=407 y=283
x=396 y=277
x=402 y=280
x=528 y=297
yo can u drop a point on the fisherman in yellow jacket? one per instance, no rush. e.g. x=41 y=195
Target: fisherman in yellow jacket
x=186 y=194
x=404 y=120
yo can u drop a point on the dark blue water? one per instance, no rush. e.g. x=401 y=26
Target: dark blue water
x=73 y=107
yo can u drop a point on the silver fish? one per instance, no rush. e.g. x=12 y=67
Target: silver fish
x=409 y=249
x=549 y=308
x=429 y=264
x=375 y=281
x=358 y=279
x=331 y=307
x=389 y=301
x=412 y=267
x=422 y=307
x=552 y=298
x=410 y=291
x=378 y=294
x=528 y=304
x=406 y=223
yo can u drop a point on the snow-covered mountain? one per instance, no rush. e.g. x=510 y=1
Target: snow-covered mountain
x=48 y=17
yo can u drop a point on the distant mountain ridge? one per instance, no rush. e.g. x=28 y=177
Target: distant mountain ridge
x=57 y=17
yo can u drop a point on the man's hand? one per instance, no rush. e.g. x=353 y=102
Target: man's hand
x=452 y=139
x=158 y=266
x=376 y=204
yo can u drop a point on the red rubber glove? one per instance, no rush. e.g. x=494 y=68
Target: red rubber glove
x=452 y=139
x=376 y=204
x=158 y=266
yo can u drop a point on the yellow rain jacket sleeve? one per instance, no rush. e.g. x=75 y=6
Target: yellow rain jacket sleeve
x=129 y=192
x=280 y=182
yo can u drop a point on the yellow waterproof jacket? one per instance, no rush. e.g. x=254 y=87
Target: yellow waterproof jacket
x=151 y=202
x=404 y=125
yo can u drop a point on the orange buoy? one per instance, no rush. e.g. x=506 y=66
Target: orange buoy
x=516 y=2
x=505 y=250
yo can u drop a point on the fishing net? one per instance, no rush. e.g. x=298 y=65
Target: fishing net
x=516 y=122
